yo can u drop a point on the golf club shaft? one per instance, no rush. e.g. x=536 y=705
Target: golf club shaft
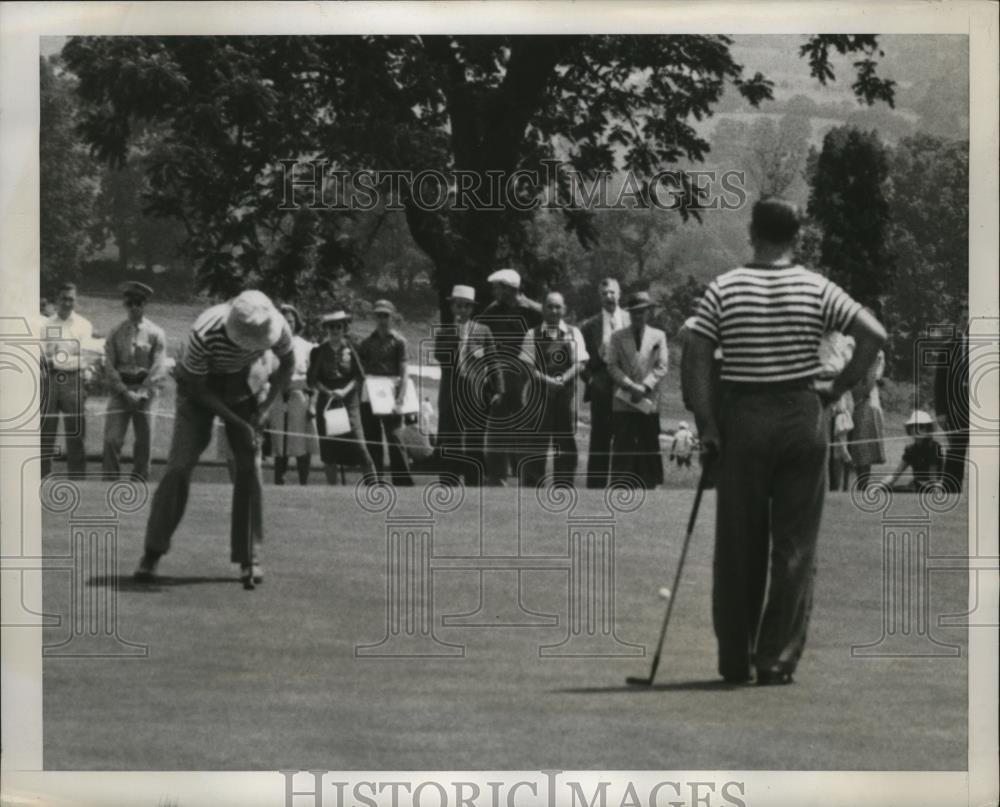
x=677 y=575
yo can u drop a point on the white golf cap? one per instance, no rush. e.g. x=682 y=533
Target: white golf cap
x=920 y=418
x=682 y=425
x=509 y=277
x=253 y=322
x=466 y=293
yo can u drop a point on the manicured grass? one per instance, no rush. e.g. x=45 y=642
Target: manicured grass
x=269 y=679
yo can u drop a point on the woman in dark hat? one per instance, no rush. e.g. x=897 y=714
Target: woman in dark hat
x=336 y=375
x=292 y=431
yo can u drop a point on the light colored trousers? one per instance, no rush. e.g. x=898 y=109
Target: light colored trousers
x=119 y=415
x=65 y=396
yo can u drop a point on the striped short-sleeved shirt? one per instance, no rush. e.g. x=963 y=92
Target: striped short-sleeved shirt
x=769 y=321
x=210 y=351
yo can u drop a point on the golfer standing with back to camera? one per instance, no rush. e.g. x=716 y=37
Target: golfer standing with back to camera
x=769 y=430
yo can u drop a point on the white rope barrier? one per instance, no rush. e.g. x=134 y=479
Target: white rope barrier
x=343 y=438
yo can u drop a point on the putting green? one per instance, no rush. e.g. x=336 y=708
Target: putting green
x=270 y=679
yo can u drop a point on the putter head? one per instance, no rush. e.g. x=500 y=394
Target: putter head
x=638 y=682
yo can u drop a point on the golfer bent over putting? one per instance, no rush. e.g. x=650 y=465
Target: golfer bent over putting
x=770 y=429
x=212 y=381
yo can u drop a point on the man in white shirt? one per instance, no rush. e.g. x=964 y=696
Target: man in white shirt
x=554 y=353
x=63 y=335
x=600 y=389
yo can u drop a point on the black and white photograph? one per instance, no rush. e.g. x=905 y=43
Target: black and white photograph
x=488 y=404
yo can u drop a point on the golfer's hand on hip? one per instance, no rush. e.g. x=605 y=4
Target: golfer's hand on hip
x=711 y=444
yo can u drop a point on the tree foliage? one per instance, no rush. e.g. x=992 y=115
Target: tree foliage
x=231 y=107
x=67 y=186
x=930 y=240
x=849 y=201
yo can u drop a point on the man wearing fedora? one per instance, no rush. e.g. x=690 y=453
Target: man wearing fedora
x=134 y=358
x=600 y=389
x=509 y=317
x=470 y=385
x=224 y=342
x=637 y=364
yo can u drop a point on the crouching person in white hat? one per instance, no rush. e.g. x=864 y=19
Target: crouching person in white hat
x=212 y=381
x=923 y=456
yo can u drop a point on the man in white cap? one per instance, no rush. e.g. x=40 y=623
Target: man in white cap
x=600 y=389
x=470 y=385
x=225 y=341
x=509 y=317
x=134 y=355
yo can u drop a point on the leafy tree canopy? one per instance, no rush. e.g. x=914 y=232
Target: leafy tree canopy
x=229 y=108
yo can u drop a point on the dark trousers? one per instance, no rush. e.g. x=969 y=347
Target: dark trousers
x=462 y=456
x=65 y=396
x=555 y=432
x=505 y=434
x=771 y=481
x=954 y=459
x=379 y=430
x=599 y=456
x=635 y=450
x=192 y=433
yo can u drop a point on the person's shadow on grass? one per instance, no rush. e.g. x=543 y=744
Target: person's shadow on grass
x=125 y=582
x=709 y=685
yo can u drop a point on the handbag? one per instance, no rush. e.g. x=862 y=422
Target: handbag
x=414 y=441
x=336 y=420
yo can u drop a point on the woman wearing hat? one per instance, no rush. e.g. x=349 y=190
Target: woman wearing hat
x=923 y=456
x=292 y=430
x=335 y=373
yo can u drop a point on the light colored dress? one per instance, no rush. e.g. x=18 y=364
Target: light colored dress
x=869 y=425
x=293 y=432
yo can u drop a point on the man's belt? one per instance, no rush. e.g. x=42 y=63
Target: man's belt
x=757 y=387
x=133 y=379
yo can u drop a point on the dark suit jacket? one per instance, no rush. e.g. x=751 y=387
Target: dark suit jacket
x=462 y=378
x=595 y=373
x=951 y=385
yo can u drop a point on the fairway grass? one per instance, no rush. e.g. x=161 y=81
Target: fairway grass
x=268 y=679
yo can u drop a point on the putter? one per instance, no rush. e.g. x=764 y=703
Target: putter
x=647 y=681
x=248 y=584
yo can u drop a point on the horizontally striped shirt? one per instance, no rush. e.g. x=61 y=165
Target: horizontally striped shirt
x=210 y=351
x=769 y=321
